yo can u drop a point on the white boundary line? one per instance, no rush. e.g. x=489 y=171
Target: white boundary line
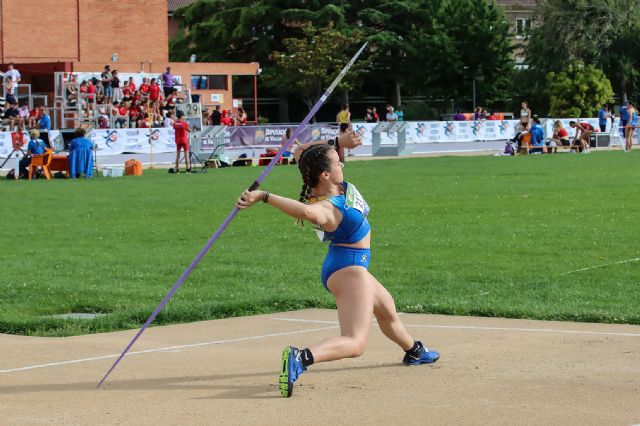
x=165 y=349
x=469 y=327
x=602 y=266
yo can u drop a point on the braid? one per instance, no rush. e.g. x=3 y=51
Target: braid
x=313 y=161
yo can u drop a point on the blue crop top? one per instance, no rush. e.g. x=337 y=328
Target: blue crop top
x=354 y=225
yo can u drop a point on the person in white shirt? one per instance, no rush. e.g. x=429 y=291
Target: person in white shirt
x=13 y=73
x=168 y=121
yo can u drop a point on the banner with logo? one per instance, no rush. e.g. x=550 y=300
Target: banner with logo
x=136 y=141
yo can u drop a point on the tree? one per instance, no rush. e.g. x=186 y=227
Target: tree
x=579 y=91
x=602 y=33
x=310 y=64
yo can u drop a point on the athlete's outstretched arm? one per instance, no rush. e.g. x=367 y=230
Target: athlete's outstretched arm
x=321 y=213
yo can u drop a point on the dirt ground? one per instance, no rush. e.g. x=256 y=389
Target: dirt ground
x=491 y=371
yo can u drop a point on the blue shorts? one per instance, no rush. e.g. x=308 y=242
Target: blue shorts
x=339 y=257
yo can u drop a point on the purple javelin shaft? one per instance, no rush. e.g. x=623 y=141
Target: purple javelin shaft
x=235 y=210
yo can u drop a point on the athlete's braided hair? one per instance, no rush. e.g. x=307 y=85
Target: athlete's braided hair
x=313 y=161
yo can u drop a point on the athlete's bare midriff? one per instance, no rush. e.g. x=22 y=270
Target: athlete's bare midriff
x=364 y=243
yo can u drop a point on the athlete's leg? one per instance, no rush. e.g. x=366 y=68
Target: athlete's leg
x=384 y=308
x=177 y=158
x=355 y=295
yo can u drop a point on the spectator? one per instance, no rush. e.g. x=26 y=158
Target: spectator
x=115 y=86
x=400 y=113
x=154 y=91
x=206 y=117
x=583 y=133
x=216 y=116
x=522 y=137
x=537 y=138
x=91 y=97
x=144 y=89
x=493 y=117
x=560 y=137
x=459 y=116
x=391 y=115
x=225 y=120
x=145 y=122
x=10 y=88
x=12 y=118
x=477 y=114
x=603 y=115
x=107 y=83
x=44 y=125
x=242 y=117
x=484 y=114
x=168 y=81
x=168 y=120
x=368 y=115
x=632 y=123
x=71 y=92
x=13 y=73
x=100 y=94
x=344 y=118
x=624 y=118
x=36 y=147
x=23 y=113
x=376 y=116
x=134 y=114
x=525 y=113
x=34 y=116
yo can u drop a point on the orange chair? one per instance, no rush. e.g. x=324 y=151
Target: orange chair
x=42 y=160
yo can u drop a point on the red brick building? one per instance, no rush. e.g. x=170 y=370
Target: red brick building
x=44 y=36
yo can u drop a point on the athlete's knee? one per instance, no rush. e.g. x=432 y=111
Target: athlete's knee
x=356 y=346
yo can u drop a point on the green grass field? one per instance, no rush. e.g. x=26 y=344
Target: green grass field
x=485 y=236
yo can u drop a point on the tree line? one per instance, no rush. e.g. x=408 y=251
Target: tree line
x=431 y=50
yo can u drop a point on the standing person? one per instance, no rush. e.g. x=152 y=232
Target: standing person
x=368 y=115
x=116 y=91
x=182 y=130
x=44 y=125
x=13 y=73
x=603 y=116
x=216 y=116
x=624 y=118
x=242 y=117
x=168 y=81
x=400 y=113
x=107 y=84
x=10 y=88
x=339 y=214
x=583 y=133
x=344 y=120
x=630 y=128
x=525 y=113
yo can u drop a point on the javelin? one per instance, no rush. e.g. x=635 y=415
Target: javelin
x=235 y=210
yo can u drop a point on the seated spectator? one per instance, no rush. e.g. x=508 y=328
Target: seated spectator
x=145 y=122
x=36 y=147
x=24 y=112
x=376 y=116
x=477 y=114
x=34 y=116
x=80 y=155
x=134 y=114
x=583 y=134
x=71 y=92
x=523 y=137
x=459 y=116
x=368 y=115
x=560 y=137
x=169 y=120
x=493 y=117
x=144 y=89
x=391 y=115
x=12 y=117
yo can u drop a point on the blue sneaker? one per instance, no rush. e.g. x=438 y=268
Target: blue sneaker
x=292 y=368
x=426 y=356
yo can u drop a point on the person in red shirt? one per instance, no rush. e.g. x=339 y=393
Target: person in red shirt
x=225 y=120
x=182 y=130
x=560 y=136
x=154 y=91
x=144 y=89
x=134 y=114
x=34 y=116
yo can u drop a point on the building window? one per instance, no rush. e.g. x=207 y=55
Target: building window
x=209 y=82
x=523 y=27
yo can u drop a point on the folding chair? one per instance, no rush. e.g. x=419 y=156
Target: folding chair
x=42 y=160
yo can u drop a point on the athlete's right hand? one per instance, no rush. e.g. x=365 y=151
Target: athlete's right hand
x=249 y=198
x=349 y=140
